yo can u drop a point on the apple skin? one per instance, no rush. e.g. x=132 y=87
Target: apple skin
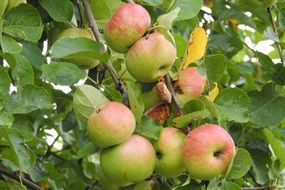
x=14 y=3
x=110 y=124
x=169 y=152
x=190 y=84
x=3 y=5
x=128 y=24
x=150 y=58
x=83 y=62
x=104 y=181
x=129 y=162
x=258 y=4
x=208 y=151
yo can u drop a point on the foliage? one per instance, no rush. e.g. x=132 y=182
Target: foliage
x=43 y=91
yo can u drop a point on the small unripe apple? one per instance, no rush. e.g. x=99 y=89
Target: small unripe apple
x=75 y=33
x=169 y=152
x=258 y=4
x=129 y=162
x=190 y=84
x=110 y=124
x=3 y=5
x=14 y=3
x=150 y=58
x=127 y=25
x=208 y=151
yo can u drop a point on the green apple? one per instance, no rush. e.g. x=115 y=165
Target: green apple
x=208 y=151
x=150 y=58
x=190 y=84
x=127 y=25
x=14 y=3
x=3 y=5
x=83 y=62
x=129 y=162
x=110 y=124
x=150 y=98
x=258 y=4
x=169 y=152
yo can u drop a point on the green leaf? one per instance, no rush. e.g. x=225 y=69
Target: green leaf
x=9 y=45
x=6 y=119
x=153 y=3
x=23 y=22
x=85 y=99
x=104 y=9
x=136 y=101
x=69 y=48
x=167 y=20
x=241 y=164
x=22 y=70
x=267 y=107
x=33 y=54
x=189 y=8
x=277 y=147
x=27 y=99
x=59 y=10
x=149 y=128
x=4 y=83
x=232 y=104
x=259 y=165
x=18 y=156
x=86 y=150
x=228 y=185
x=215 y=67
x=62 y=73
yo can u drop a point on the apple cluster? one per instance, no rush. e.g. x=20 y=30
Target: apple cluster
x=149 y=55
x=6 y=5
x=127 y=157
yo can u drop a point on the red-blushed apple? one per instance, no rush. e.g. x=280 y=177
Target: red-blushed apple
x=150 y=58
x=208 y=151
x=110 y=124
x=129 y=162
x=128 y=24
x=190 y=84
x=169 y=152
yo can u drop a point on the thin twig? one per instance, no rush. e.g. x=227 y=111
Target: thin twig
x=259 y=188
x=80 y=19
x=175 y=99
x=26 y=182
x=269 y=10
x=119 y=85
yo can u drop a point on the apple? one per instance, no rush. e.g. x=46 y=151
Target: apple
x=128 y=24
x=169 y=152
x=150 y=58
x=110 y=124
x=190 y=84
x=129 y=162
x=258 y=4
x=83 y=62
x=3 y=5
x=14 y=3
x=159 y=112
x=208 y=151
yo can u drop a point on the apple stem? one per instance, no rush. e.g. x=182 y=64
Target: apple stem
x=269 y=11
x=119 y=84
x=175 y=99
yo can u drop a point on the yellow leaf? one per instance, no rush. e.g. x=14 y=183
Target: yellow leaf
x=213 y=93
x=196 y=47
